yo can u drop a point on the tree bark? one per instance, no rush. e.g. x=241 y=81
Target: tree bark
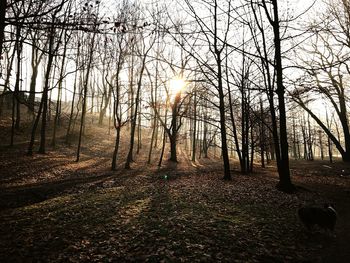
x=59 y=93
x=129 y=158
x=85 y=89
x=285 y=183
x=74 y=93
x=46 y=90
x=16 y=114
x=3 y=5
x=194 y=126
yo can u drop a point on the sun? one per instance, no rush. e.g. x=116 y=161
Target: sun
x=176 y=85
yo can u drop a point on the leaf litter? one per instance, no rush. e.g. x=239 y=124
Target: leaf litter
x=56 y=210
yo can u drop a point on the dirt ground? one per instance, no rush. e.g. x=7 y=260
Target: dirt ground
x=53 y=209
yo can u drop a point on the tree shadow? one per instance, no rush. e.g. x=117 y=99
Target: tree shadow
x=81 y=179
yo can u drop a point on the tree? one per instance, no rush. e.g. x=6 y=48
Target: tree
x=53 y=45
x=120 y=56
x=214 y=36
x=66 y=38
x=3 y=6
x=279 y=125
x=146 y=43
x=37 y=56
x=90 y=55
x=325 y=70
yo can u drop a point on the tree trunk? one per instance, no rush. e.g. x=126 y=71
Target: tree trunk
x=345 y=124
x=251 y=150
x=85 y=89
x=74 y=93
x=164 y=139
x=194 y=126
x=116 y=148
x=3 y=5
x=35 y=65
x=174 y=128
x=7 y=82
x=310 y=140
x=294 y=140
x=152 y=140
x=262 y=135
x=45 y=94
x=129 y=158
x=59 y=93
x=139 y=132
x=105 y=102
x=224 y=151
x=173 y=153
x=285 y=183
x=321 y=144
x=154 y=102
x=31 y=99
x=330 y=153
x=35 y=125
x=15 y=95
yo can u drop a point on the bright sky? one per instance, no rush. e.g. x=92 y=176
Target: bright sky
x=296 y=7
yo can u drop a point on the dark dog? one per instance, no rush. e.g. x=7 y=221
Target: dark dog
x=324 y=217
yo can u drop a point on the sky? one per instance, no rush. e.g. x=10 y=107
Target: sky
x=295 y=7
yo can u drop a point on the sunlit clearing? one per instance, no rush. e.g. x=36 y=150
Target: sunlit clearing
x=176 y=85
x=134 y=209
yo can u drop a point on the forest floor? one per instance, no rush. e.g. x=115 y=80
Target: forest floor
x=53 y=209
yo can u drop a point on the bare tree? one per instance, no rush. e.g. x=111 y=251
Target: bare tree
x=94 y=15
x=269 y=10
x=53 y=45
x=214 y=35
x=145 y=46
